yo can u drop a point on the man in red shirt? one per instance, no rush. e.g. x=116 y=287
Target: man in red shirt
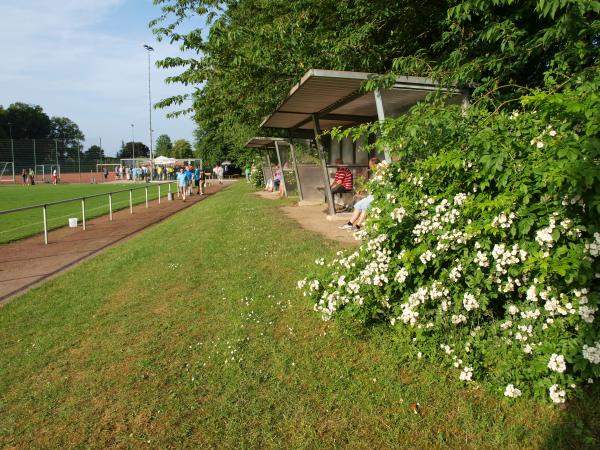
x=342 y=181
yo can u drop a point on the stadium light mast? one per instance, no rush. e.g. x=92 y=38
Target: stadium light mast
x=150 y=49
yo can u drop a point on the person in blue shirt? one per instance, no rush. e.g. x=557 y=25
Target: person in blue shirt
x=182 y=183
x=189 y=175
x=197 y=176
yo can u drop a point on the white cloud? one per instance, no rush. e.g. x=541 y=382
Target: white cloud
x=66 y=57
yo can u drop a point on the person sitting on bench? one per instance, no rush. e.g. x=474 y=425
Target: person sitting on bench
x=359 y=215
x=342 y=182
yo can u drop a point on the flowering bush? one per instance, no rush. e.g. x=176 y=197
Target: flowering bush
x=482 y=243
x=256 y=177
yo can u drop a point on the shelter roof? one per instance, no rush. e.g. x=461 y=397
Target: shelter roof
x=264 y=142
x=338 y=100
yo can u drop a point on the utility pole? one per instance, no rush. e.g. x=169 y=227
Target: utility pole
x=150 y=49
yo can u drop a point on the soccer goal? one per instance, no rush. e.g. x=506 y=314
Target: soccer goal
x=110 y=167
x=43 y=172
x=7 y=172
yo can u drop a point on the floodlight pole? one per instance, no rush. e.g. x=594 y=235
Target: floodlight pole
x=150 y=49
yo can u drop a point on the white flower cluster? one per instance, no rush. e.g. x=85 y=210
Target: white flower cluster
x=470 y=302
x=427 y=256
x=511 y=391
x=398 y=214
x=401 y=275
x=456 y=319
x=417 y=181
x=456 y=273
x=557 y=363
x=592 y=354
x=593 y=248
x=557 y=395
x=320 y=262
x=409 y=313
x=524 y=333
x=466 y=374
x=460 y=198
x=451 y=239
x=506 y=257
x=481 y=259
x=544 y=236
x=443 y=214
x=503 y=221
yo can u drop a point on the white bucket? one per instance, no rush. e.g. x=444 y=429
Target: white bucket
x=72 y=222
x=170 y=196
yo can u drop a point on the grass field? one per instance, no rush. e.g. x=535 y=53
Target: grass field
x=27 y=223
x=192 y=334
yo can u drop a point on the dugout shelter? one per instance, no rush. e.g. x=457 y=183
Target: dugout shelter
x=325 y=99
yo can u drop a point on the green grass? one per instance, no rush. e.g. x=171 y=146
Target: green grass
x=27 y=223
x=192 y=334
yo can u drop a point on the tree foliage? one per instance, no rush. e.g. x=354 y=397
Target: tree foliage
x=182 y=149
x=164 y=146
x=256 y=49
x=94 y=152
x=137 y=149
x=31 y=122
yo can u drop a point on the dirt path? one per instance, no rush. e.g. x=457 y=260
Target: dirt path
x=26 y=263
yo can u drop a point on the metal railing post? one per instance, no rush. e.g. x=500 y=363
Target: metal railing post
x=130 y=201
x=110 y=206
x=83 y=212
x=45 y=225
x=159 y=194
x=146 y=196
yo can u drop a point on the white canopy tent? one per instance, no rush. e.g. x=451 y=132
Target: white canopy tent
x=165 y=161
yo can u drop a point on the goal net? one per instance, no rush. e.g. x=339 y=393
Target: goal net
x=7 y=173
x=43 y=172
x=107 y=172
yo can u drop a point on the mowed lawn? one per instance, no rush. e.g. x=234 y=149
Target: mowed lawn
x=192 y=334
x=27 y=223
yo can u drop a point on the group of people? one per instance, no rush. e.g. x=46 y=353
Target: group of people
x=28 y=177
x=340 y=185
x=189 y=177
x=276 y=183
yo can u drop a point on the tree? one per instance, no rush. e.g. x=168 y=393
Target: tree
x=127 y=150
x=26 y=122
x=182 y=149
x=256 y=49
x=164 y=146
x=94 y=152
x=65 y=128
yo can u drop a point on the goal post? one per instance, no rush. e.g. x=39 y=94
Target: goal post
x=45 y=172
x=7 y=172
x=100 y=169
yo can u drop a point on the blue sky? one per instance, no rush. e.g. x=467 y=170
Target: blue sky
x=84 y=59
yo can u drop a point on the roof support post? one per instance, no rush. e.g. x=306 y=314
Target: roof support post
x=381 y=117
x=281 y=168
x=464 y=103
x=327 y=185
x=295 y=163
x=269 y=163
